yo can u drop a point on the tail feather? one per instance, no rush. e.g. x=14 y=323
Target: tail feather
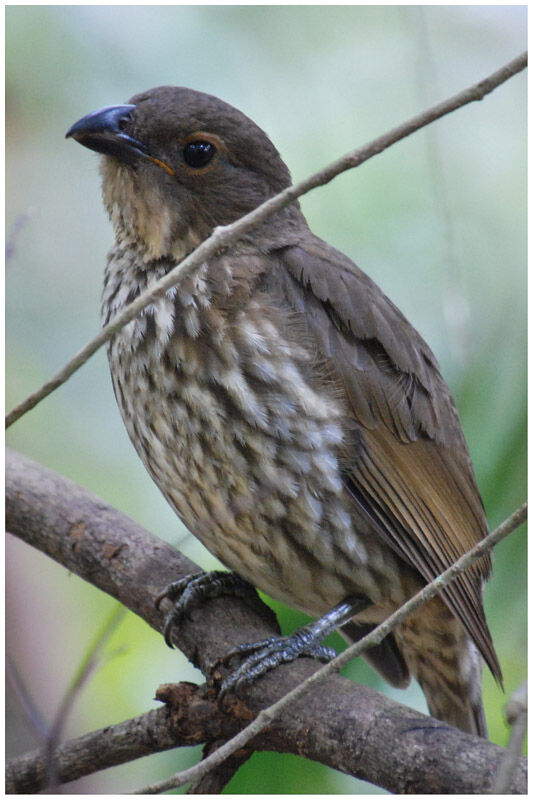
x=385 y=658
x=464 y=713
x=446 y=664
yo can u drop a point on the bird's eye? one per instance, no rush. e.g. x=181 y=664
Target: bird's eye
x=199 y=153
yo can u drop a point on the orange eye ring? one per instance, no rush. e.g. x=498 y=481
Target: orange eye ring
x=162 y=164
x=205 y=139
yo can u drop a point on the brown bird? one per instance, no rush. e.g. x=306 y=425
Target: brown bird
x=288 y=411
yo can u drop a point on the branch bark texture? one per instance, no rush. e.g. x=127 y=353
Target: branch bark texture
x=342 y=724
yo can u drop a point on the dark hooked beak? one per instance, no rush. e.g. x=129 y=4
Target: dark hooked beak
x=103 y=131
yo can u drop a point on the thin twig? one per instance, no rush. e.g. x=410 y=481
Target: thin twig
x=223 y=237
x=83 y=672
x=50 y=735
x=26 y=701
x=517 y=718
x=267 y=715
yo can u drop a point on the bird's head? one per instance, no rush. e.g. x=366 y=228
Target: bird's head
x=178 y=163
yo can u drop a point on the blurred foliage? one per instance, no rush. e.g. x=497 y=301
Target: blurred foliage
x=438 y=220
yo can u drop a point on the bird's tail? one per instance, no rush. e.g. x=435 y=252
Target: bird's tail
x=447 y=665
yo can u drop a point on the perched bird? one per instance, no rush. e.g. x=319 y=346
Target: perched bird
x=287 y=410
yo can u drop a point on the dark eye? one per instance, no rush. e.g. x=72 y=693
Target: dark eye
x=199 y=153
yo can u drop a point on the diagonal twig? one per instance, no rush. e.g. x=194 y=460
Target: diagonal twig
x=223 y=237
x=25 y=700
x=83 y=673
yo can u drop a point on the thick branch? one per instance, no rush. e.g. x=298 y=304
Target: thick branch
x=222 y=238
x=363 y=748
x=341 y=724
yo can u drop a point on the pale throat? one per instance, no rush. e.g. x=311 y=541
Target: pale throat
x=144 y=214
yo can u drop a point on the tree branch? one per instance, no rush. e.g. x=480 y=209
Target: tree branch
x=108 y=747
x=191 y=720
x=346 y=726
x=222 y=238
x=267 y=715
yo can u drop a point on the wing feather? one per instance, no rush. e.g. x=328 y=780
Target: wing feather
x=412 y=474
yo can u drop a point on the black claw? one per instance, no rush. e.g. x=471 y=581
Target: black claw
x=189 y=592
x=175 y=589
x=167 y=630
x=269 y=654
x=259 y=657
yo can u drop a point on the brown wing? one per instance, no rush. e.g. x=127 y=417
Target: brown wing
x=412 y=474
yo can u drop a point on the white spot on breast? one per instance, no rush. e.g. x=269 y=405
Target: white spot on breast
x=235 y=383
x=163 y=312
x=191 y=321
x=253 y=337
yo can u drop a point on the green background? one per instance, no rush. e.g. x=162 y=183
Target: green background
x=438 y=221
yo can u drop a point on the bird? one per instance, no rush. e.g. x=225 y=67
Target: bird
x=288 y=411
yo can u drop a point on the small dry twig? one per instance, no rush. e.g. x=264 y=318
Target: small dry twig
x=88 y=665
x=516 y=712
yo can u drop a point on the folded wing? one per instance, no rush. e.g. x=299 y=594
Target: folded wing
x=411 y=472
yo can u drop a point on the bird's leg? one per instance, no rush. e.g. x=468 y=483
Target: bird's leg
x=269 y=653
x=192 y=590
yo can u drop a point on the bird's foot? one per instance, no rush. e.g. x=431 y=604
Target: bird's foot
x=270 y=653
x=192 y=590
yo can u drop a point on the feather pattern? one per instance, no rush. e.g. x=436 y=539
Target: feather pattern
x=412 y=474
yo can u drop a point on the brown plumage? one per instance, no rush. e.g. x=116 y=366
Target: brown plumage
x=285 y=407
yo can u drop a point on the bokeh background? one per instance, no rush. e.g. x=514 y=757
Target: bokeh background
x=438 y=221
